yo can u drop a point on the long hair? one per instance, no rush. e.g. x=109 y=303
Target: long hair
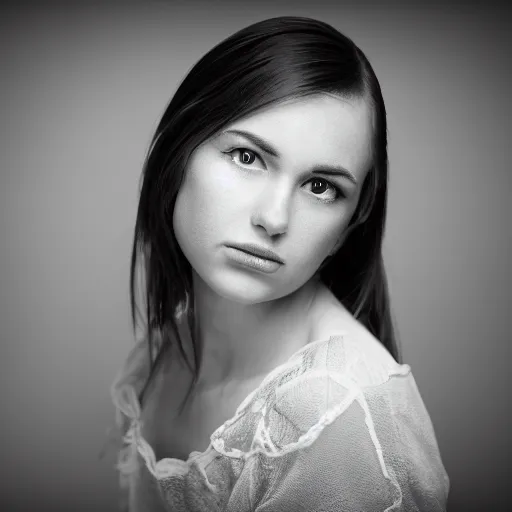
x=264 y=64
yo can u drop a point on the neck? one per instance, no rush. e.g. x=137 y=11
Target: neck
x=238 y=341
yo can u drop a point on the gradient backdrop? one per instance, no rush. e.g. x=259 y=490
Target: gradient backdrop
x=82 y=88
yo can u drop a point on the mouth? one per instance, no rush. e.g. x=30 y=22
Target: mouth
x=258 y=251
x=252 y=260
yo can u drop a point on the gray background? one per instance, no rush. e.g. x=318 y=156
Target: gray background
x=82 y=88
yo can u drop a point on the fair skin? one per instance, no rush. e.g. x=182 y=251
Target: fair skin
x=249 y=321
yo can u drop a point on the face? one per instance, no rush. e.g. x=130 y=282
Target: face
x=281 y=194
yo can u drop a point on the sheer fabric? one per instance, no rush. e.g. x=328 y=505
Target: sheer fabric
x=340 y=427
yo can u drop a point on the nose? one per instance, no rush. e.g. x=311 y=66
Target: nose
x=272 y=211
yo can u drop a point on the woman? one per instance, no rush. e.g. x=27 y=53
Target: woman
x=270 y=378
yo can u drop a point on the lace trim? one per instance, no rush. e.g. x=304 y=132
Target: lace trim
x=126 y=400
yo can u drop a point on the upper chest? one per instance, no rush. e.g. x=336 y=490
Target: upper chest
x=175 y=434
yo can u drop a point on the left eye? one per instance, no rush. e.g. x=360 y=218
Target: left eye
x=320 y=185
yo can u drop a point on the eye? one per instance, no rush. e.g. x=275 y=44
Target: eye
x=246 y=156
x=321 y=185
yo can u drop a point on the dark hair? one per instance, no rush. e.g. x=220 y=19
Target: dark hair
x=269 y=62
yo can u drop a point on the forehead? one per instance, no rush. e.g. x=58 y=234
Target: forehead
x=317 y=129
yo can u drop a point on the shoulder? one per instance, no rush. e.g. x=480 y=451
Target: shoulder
x=352 y=348
x=354 y=403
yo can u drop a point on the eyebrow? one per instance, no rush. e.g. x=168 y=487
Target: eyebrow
x=331 y=170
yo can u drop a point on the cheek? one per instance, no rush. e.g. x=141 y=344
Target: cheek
x=204 y=203
x=318 y=236
x=191 y=213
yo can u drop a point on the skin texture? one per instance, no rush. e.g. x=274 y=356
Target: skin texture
x=248 y=321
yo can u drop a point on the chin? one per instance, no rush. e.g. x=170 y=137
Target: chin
x=245 y=287
x=246 y=291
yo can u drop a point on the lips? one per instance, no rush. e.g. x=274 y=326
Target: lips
x=251 y=261
x=259 y=251
x=255 y=254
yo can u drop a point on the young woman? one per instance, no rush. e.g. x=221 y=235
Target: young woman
x=269 y=379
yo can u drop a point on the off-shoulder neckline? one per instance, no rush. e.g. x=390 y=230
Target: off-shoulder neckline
x=165 y=465
x=147 y=451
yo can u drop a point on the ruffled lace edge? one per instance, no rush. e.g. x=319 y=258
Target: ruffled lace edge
x=126 y=402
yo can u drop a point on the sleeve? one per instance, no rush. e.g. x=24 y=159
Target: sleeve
x=375 y=451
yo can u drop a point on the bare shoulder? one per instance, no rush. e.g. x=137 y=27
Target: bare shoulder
x=330 y=317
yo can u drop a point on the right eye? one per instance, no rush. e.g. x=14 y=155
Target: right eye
x=246 y=157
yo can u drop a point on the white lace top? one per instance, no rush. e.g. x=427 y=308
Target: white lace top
x=340 y=427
